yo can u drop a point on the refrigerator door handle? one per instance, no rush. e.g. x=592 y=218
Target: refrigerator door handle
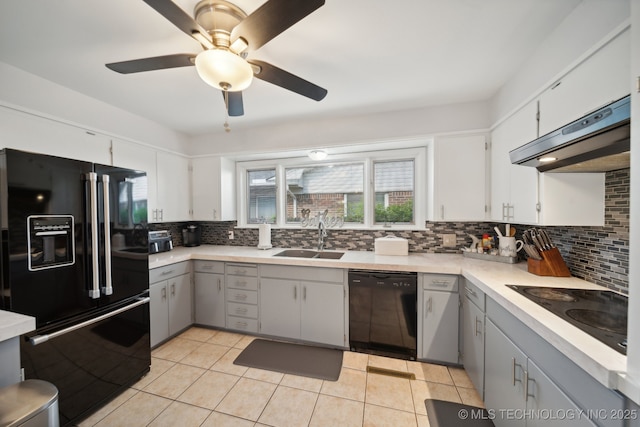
x=39 y=339
x=94 y=292
x=107 y=289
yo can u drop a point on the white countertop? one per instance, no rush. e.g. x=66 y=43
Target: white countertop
x=596 y=358
x=14 y=324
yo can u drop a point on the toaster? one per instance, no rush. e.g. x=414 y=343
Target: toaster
x=160 y=241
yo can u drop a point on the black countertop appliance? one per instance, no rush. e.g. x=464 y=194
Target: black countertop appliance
x=191 y=235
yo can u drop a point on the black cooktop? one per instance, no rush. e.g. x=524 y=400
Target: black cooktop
x=601 y=314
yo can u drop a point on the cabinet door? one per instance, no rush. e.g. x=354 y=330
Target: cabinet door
x=135 y=156
x=460 y=187
x=159 y=312
x=440 y=326
x=280 y=307
x=174 y=188
x=599 y=80
x=180 y=303
x=514 y=188
x=504 y=373
x=473 y=343
x=209 y=299
x=24 y=131
x=322 y=313
x=543 y=394
x=214 y=189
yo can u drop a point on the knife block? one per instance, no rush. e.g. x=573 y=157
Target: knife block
x=551 y=264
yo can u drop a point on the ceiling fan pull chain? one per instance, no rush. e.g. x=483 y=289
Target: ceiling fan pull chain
x=226 y=108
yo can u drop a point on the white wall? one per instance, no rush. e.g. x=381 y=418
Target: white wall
x=30 y=93
x=337 y=131
x=588 y=24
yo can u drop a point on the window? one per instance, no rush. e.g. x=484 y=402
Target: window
x=374 y=189
x=261 y=192
x=393 y=187
x=336 y=189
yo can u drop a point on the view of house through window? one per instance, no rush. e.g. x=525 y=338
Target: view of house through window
x=381 y=189
x=261 y=191
x=393 y=188
x=338 y=189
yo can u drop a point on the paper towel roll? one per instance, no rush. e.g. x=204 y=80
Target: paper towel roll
x=264 y=239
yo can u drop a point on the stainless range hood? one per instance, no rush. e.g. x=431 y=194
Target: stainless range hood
x=597 y=142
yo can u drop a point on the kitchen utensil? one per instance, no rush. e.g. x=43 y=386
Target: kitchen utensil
x=547 y=239
x=512 y=232
x=532 y=252
x=497 y=230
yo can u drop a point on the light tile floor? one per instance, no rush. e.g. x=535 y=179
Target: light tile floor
x=193 y=382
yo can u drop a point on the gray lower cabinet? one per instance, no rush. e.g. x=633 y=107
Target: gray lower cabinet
x=517 y=390
x=525 y=372
x=293 y=305
x=473 y=332
x=438 y=317
x=171 y=296
x=241 y=294
x=209 y=299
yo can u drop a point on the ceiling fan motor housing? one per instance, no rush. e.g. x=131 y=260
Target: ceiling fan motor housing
x=219 y=18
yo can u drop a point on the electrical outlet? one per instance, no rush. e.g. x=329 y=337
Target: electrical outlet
x=231 y=234
x=449 y=240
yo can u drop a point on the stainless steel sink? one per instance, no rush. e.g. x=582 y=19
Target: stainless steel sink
x=306 y=253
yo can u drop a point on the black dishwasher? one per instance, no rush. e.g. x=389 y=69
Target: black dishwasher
x=382 y=313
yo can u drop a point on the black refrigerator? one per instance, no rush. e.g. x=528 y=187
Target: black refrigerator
x=74 y=255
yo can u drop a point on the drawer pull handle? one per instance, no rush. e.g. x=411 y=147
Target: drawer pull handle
x=241 y=324
x=241 y=310
x=471 y=292
x=241 y=284
x=241 y=297
x=164 y=273
x=477 y=321
x=440 y=283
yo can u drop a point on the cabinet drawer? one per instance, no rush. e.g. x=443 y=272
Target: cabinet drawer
x=242 y=282
x=242 y=310
x=315 y=274
x=440 y=282
x=242 y=270
x=239 y=295
x=474 y=294
x=169 y=271
x=242 y=324
x=208 y=266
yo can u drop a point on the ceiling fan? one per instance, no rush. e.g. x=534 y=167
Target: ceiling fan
x=227 y=34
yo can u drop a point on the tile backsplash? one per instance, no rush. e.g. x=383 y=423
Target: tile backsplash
x=597 y=254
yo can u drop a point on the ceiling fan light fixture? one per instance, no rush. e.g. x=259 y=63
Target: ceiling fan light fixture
x=224 y=70
x=318 y=155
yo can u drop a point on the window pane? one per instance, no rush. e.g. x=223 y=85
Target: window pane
x=393 y=187
x=335 y=188
x=132 y=201
x=261 y=206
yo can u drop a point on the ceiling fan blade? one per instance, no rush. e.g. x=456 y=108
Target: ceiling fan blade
x=178 y=17
x=235 y=106
x=154 y=63
x=274 y=75
x=271 y=19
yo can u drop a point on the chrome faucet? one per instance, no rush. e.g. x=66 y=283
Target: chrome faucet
x=322 y=232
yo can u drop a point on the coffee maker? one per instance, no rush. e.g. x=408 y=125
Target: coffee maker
x=191 y=235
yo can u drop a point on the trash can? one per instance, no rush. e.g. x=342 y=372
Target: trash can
x=30 y=403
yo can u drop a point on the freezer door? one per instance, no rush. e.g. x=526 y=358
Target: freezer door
x=92 y=359
x=123 y=253
x=43 y=265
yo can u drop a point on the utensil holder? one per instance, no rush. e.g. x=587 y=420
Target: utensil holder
x=551 y=264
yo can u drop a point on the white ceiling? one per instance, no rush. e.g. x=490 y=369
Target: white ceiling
x=371 y=55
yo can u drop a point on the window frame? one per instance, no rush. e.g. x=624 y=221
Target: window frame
x=418 y=155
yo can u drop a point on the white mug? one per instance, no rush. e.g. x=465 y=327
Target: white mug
x=509 y=246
